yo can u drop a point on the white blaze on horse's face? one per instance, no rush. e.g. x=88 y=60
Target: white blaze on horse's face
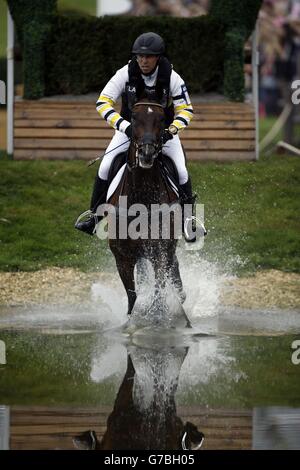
x=150 y=110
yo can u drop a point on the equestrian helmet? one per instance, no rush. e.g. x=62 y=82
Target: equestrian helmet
x=149 y=44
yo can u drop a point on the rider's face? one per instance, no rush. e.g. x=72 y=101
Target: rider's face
x=147 y=63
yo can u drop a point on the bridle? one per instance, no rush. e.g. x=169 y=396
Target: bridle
x=139 y=147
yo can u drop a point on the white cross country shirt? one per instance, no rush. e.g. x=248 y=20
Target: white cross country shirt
x=116 y=86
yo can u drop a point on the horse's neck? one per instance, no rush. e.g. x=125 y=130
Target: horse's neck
x=145 y=186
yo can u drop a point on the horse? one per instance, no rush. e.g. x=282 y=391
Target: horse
x=144 y=416
x=149 y=178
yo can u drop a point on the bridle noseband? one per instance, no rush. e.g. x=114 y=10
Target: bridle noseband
x=139 y=147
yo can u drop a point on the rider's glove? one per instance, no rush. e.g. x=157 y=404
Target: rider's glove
x=128 y=131
x=168 y=134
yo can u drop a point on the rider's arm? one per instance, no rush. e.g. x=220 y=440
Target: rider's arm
x=182 y=104
x=108 y=97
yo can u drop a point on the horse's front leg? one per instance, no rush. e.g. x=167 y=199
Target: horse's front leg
x=175 y=278
x=159 y=266
x=126 y=271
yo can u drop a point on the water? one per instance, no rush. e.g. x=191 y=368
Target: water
x=74 y=378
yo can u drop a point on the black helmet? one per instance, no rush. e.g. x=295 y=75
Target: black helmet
x=149 y=44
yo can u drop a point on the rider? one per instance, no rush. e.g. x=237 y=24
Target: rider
x=149 y=74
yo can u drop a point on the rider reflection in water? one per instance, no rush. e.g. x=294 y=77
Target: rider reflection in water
x=148 y=75
x=144 y=416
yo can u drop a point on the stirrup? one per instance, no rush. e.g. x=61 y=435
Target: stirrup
x=86 y=216
x=193 y=229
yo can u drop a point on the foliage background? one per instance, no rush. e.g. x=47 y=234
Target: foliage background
x=64 y=54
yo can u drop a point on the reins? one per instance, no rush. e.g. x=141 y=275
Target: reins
x=106 y=153
x=137 y=147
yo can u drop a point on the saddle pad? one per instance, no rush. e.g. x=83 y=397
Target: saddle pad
x=115 y=182
x=173 y=186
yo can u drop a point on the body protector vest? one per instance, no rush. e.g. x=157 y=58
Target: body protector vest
x=135 y=89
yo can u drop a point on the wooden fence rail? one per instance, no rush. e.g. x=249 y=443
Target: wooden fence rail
x=50 y=130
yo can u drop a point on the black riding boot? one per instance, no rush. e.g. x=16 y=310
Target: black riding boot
x=187 y=197
x=98 y=197
x=186 y=192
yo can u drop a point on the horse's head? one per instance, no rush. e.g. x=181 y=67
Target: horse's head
x=148 y=121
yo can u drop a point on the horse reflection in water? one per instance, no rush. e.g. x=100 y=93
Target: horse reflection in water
x=144 y=414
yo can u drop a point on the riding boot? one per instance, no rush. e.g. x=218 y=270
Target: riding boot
x=187 y=197
x=98 y=197
x=190 y=223
x=186 y=191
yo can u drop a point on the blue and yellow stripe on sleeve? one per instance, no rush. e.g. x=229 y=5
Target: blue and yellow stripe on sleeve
x=183 y=115
x=105 y=107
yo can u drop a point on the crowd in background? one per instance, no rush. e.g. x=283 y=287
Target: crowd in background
x=279 y=26
x=279 y=42
x=183 y=8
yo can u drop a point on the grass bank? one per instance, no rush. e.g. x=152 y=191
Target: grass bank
x=251 y=213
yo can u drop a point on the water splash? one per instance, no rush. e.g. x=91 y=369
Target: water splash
x=205 y=359
x=112 y=361
x=113 y=301
x=203 y=281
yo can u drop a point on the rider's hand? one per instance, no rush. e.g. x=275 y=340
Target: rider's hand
x=128 y=131
x=166 y=136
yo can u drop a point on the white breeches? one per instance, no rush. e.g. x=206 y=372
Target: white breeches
x=172 y=149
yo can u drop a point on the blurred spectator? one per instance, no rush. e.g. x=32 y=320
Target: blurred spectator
x=143 y=7
x=279 y=26
x=271 y=35
x=292 y=40
x=183 y=8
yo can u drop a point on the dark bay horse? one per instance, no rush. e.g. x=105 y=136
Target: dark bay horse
x=144 y=416
x=145 y=182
